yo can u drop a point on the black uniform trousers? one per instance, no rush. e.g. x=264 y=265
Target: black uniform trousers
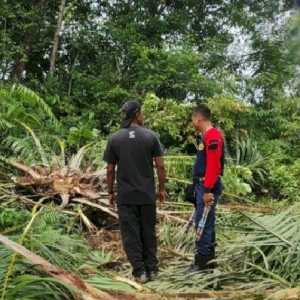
x=137 y=224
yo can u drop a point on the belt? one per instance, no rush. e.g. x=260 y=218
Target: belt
x=198 y=179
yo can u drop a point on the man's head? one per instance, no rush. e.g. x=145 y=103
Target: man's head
x=201 y=117
x=131 y=113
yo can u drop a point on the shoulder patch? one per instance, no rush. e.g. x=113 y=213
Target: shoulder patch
x=213 y=145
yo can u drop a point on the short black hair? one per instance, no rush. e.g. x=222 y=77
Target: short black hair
x=203 y=110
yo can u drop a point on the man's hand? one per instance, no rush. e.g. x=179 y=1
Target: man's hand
x=162 y=195
x=208 y=199
x=112 y=200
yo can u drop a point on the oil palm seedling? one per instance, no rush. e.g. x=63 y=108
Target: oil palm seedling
x=248 y=155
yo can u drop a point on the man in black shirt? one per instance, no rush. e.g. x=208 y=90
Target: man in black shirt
x=133 y=149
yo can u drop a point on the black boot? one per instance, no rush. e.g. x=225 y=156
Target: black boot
x=153 y=275
x=142 y=278
x=202 y=263
x=199 y=263
x=194 y=266
x=210 y=263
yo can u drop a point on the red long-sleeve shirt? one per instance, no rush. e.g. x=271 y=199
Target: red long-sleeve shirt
x=214 y=150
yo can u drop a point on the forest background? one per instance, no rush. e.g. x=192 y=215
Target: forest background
x=67 y=66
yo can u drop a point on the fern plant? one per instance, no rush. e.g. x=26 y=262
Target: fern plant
x=19 y=103
x=22 y=110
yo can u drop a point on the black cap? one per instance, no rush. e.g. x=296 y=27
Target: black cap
x=129 y=110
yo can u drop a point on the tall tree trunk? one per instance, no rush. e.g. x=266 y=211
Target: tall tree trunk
x=21 y=61
x=18 y=70
x=19 y=67
x=56 y=35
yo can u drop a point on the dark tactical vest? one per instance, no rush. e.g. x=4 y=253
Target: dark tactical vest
x=200 y=162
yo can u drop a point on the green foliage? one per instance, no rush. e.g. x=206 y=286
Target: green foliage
x=81 y=134
x=170 y=55
x=290 y=120
x=10 y=217
x=103 y=282
x=48 y=237
x=249 y=156
x=56 y=154
x=272 y=246
x=30 y=128
x=236 y=181
x=294 y=35
x=256 y=252
x=33 y=287
x=284 y=180
x=177 y=50
x=229 y=114
x=169 y=118
x=172 y=73
x=174 y=236
x=20 y=104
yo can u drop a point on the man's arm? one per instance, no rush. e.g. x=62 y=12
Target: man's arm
x=110 y=178
x=213 y=166
x=213 y=163
x=161 y=174
x=111 y=158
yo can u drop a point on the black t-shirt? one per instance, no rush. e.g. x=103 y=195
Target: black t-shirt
x=132 y=150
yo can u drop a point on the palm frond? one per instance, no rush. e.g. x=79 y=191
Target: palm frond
x=36 y=287
x=38 y=144
x=76 y=160
x=29 y=96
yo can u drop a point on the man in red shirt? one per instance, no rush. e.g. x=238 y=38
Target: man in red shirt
x=207 y=173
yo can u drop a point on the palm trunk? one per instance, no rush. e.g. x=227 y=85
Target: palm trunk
x=84 y=291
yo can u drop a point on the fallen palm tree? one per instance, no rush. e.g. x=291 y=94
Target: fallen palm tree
x=84 y=291
x=56 y=249
x=71 y=180
x=67 y=181
x=244 y=263
x=52 y=174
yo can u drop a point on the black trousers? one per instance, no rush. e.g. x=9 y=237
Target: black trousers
x=137 y=224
